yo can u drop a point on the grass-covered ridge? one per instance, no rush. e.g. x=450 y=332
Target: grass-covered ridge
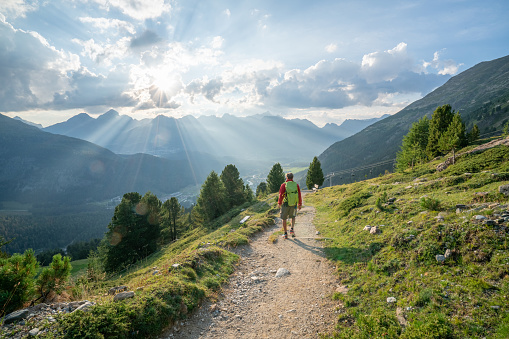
x=170 y=283
x=463 y=296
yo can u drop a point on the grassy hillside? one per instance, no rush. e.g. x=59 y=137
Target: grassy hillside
x=396 y=286
x=167 y=285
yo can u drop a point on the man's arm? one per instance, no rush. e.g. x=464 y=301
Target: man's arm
x=299 y=206
x=282 y=191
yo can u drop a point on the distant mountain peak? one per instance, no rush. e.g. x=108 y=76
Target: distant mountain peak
x=109 y=115
x=27 y=122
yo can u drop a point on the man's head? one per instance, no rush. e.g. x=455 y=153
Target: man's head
x=289 y=176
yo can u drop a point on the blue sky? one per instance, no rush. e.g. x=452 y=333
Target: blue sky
x=325 y=61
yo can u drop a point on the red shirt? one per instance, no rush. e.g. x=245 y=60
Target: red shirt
x=282 y=191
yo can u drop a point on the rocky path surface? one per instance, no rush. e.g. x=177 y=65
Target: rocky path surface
x=257 y=304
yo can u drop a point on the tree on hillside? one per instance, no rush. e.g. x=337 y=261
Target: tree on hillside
x=171 y=211
x=440 y=121
x=275 y=178
x=261 y=190
x=413 y=147
x=233 y=185
x=17 y=283
x=315 y=174
x=133 y=231
x=212 y=200
x=54 y=277
x=248 y=193
x=473 y=135
x=454 y=137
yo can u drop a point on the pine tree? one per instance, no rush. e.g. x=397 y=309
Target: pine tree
x=212 y=201
x=171 y=211
x=440 y=121
x=315 y=174
x=454 y=137
x=234 y=186
x=248 y=193
x=17 y=280
x=275 y=178
x=261 y=190
x=413 y=147
x=473 y=135
x=133 y=231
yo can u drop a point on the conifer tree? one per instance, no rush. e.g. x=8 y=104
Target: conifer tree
x=234 y=186
x=454 y=137
x=17 y=280
x=473 y=135
x=248 y=193
x=440 y=121
x=212 y=201
x=275 y=178
x=171 y=211
x=413 y=147
x=54 y=277
x=133 y=231
x=315 y=174
x=261 y=190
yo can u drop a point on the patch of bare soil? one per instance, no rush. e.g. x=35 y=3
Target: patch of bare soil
x=257 y=304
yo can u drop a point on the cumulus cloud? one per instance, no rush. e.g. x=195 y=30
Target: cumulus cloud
x=341 y=83
x=31 y=81
x=104 y=53
x=385 y=66
x=444 y=67
x=138 y=9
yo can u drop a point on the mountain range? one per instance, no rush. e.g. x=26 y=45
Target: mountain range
x=38 y=166
x=268 y=137
x=480 y=94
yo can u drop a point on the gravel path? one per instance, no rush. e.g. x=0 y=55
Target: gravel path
x=256 y=304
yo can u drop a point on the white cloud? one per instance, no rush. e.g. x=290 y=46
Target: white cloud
x=32 y=80
x=17 y=8
x=385 y=66
x=227 y=12
x=331 y=48
x=107 y=25
x=444 y=67
x=217 y=42
x=104 y=53
x=138 y=9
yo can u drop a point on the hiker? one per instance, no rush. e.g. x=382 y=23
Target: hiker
x=289 y=201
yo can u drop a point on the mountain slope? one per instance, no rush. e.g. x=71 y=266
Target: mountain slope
x=40 y=166
x=480 y=94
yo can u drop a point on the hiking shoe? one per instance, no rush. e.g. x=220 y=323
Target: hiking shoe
x=292 y=233
x=285 y=236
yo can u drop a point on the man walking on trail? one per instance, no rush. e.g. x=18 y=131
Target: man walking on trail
x=289 y=201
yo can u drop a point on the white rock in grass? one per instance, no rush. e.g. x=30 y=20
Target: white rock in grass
x=391 y=300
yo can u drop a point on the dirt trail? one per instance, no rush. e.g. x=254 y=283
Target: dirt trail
x=256 y=304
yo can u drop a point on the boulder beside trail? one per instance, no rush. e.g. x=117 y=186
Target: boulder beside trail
x=16 y=316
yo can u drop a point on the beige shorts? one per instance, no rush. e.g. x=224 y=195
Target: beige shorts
x=288 y=211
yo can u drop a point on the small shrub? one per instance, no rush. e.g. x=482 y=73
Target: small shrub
x=189 y=273
x=424 y=297
x=430 y=326
x=430 y=204
x=352 y=202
